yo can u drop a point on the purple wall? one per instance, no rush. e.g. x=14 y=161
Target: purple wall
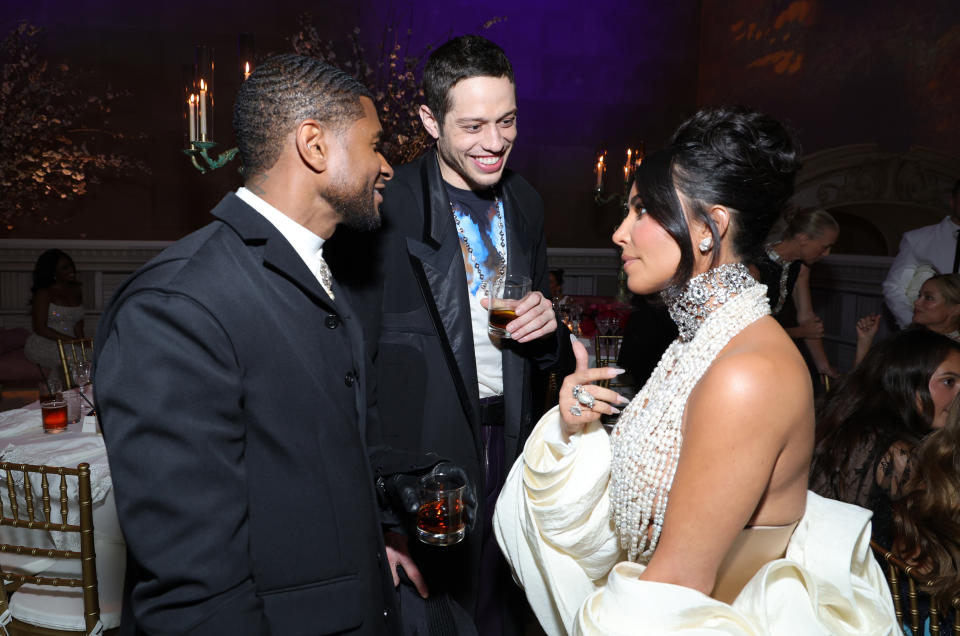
x=589 y=76
x=614 y=73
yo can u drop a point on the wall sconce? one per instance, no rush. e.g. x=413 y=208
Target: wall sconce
x=198 y=100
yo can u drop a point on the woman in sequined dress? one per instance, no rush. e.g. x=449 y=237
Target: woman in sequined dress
x=56 y=308
x=680 y=520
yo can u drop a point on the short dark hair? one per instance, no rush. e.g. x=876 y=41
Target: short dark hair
x=459 y=59
x=730 y=156
x=281 y=93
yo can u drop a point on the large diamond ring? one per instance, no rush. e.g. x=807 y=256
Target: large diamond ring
x=575 y=411
x=583 y=396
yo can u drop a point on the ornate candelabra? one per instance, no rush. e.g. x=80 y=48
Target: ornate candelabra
x=633 y=161
x=198 y=99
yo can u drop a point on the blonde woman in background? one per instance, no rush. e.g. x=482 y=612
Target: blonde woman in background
x=799 y=240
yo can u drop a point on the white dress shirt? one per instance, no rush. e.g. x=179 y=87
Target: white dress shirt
x=933 y=245
x=305 y=243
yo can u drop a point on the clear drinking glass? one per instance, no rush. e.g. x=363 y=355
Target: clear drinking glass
x=441 y=519
x=505 y=294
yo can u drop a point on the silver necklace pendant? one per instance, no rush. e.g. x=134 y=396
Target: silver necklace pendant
x=784 y=275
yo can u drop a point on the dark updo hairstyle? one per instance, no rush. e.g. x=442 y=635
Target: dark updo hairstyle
x=45 y=270
x=730 y=156
x=459 y=59
x=879 y=400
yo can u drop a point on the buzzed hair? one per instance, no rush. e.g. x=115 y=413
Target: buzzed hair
x=459 y=59
x=281 y=93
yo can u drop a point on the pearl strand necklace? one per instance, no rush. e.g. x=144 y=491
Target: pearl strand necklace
x=648 y=436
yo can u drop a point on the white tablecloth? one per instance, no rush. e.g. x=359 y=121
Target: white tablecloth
x=22 y=440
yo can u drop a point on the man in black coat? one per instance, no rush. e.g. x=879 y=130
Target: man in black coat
x=454 y=220
x=232 y=389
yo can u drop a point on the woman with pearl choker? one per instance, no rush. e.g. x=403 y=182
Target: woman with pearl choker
x=694 y=514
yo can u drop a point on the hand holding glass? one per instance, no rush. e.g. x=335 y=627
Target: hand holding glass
x=441 y=519
x=506 y=293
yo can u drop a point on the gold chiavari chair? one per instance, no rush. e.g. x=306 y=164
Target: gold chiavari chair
x=899 y=571
x=607 y=351
x=24 y=511
x=72 y=352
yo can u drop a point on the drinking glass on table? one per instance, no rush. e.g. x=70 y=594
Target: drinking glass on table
x=81 y=373
x=506 y=293
x=441 y=518
x=54 y=414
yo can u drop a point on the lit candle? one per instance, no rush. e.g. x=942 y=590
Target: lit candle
x=600 y=169
x=246 y=70
x=192 y=102
x=203 y=110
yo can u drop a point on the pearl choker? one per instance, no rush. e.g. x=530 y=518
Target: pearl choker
x=709 y=310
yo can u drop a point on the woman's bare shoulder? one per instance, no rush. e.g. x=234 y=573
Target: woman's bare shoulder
x=759 y=372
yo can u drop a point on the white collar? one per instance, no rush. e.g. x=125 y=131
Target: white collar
x=307 y=244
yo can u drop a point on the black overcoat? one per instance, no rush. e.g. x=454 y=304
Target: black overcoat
x=417 y=321
x=233 y=398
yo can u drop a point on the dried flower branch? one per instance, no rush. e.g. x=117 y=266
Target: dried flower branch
x=394 y=79
x=48 y=125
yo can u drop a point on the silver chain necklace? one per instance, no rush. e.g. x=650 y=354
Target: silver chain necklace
x=502 y=251
x=784 y=275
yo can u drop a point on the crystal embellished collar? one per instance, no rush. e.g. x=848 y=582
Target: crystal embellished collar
x=690 y=304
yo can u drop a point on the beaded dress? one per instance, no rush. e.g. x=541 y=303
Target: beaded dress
x=44 y=351
x=577 y=520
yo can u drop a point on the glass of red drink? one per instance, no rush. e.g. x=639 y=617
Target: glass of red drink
x=54 y=415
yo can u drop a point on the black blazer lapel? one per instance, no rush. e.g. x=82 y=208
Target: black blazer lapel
x=518 y=262
x=278 y=254
x=438 y=264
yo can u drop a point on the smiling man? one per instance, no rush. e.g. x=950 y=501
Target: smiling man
x=454 y=220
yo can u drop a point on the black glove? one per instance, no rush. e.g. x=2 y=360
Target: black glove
x=401 y=493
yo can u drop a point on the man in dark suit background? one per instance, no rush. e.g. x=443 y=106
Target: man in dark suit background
x=454 y=219
x=232 y=387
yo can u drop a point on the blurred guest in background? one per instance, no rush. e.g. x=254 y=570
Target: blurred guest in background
x=868 y=426
x=556 y=283
x=927 y=518
x=56 y=309
x=937 y=308
x=797 y=241
x=937 y=246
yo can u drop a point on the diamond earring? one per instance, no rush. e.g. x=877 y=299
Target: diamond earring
x=705 y=245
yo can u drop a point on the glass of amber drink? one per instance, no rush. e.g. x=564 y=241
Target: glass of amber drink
x=54 y=412
x=441 y=519
x=505 y=294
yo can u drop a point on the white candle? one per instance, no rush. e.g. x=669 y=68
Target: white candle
x=193 y=117
x=203 y=110
x=246 y=71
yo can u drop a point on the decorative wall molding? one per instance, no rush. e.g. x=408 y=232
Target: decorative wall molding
x=844 y=287
x=875 y=195
x=586 y=271
x=862 y=174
